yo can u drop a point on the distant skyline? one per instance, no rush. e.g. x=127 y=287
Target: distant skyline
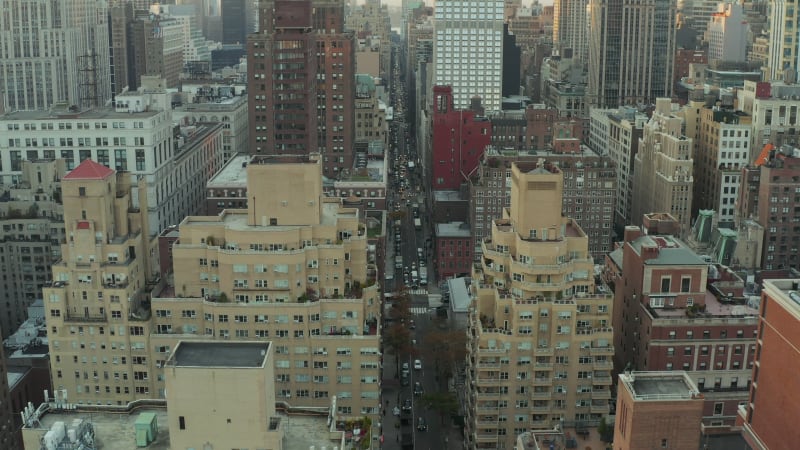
x=432 y=2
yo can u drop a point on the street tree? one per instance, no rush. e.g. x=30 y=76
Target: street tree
x=444 y=403
x=397 y=340
x=448 y=348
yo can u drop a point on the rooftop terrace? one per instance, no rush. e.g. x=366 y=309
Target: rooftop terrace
x=659 y=386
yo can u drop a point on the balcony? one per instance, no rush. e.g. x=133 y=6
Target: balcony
x=602 y=379
x=542 y=395
x=543 y=366
x=599 y=409
x=542 y=382
x=601 y=394
x=85 y=318
x=488 y=395
x=485 y=438
x=602 y=365
x=602 y=350
x=487 y=382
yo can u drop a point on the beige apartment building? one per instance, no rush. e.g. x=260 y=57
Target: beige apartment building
x=291 y=268
x=662 y=174
x=540 y=328
x=97 y=312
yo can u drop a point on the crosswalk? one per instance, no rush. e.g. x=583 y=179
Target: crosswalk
x=417 y=310
x=418 y=291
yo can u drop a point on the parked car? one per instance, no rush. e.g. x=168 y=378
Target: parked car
x=407 y=405
x=417 y=364
x=418 y=389
x=421 y=425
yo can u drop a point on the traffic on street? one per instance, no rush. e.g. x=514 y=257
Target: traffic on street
x=411 y=382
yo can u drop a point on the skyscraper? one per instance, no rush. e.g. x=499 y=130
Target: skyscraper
x=469 y=50
x=282 y=67
x=631 y=51
x=302 y=67
x=571 y=27
x=54 y=52
x=540 y=327
x=784 y=45
x=234 y=24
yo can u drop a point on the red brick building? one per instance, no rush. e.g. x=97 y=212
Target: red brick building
x=684 y=57
x=769 y=419
x=453 y=246
x=459 y=139
x=657 y=410
x=674 y=311
x=301 y=76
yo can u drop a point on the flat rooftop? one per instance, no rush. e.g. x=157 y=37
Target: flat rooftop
x=658 y=386
x=99 y=113
x=232 y=175
x=787 y=292
x=671 y=251
x=219 y=354
x=452 y=229
x=114 y=431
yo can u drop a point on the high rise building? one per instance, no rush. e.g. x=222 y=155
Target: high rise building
x=464 y=29
x=631 y=51
x=540 y=327
x=617 y=133
x=589 y=195
x=157 y=43
x=571 y=27
x=727 y=33
x=294 y=110
x=775 y=113
x=657 y=410
x=722 y=149
x=54 y=52
x=371 y=21
x=98 y=312
x=768 y=195
x=769 y=419
x=675 y=311
x=234 y=14
x=784 y=46
x=282 y=102
x=123 y=74
x=292 y=267
x=32 y=230
x=459 y=139
x=662 y=174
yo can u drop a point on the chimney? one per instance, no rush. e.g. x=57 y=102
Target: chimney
x=632 y=233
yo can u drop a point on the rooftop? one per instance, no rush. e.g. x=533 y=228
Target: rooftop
x=787 y=292
x=452 y=230
x=671 y=251
x=659 y=386
x=89 y=170
x=232 y=175
x=114 y=431
x=447 y=196
x=219 y=354
x=66 y=114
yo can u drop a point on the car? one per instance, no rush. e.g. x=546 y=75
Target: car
x=407 y=405
x=417 y=364
x=404 y=380
x=417 y=389
x=405 y=366
x=412 y=325
x=421 y=425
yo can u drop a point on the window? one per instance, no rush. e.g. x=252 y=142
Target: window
x=665 y=284
x=718 y=407
x=182 y=422
x=686 y=284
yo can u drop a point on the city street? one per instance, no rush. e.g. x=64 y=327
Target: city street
x=439 y=434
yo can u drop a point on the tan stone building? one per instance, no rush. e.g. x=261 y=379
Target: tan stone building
x=540 y=330
x=291 y=268
x=657 y=410
x=662 y=174
x=96 y=308
x=238 y=413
